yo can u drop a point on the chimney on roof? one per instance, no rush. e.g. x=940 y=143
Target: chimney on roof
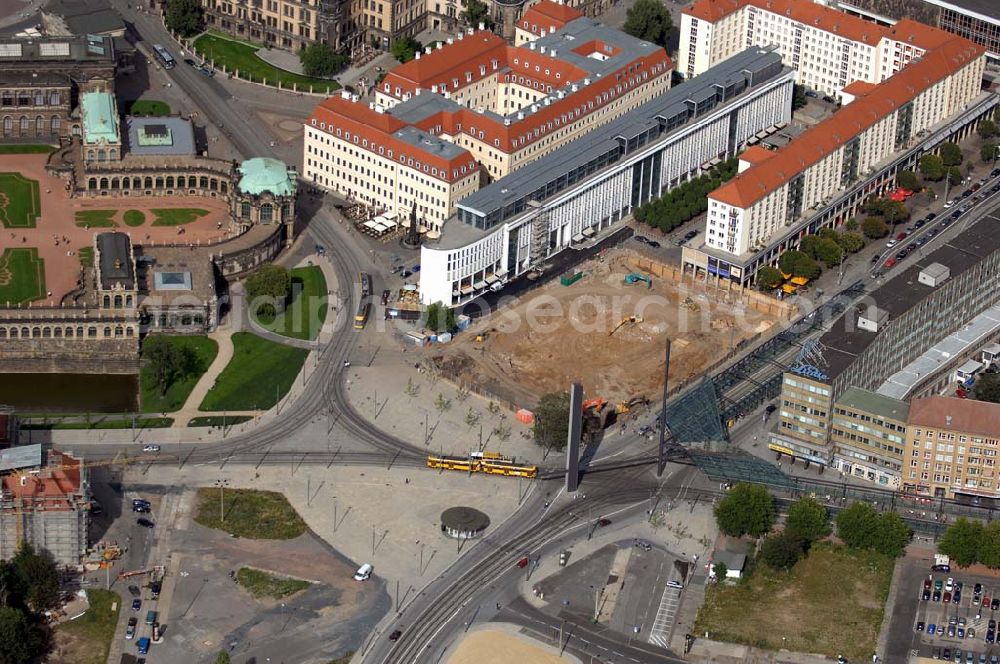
x=586 y=81
x=461 y=36
x=451 y=40
x=947 y=420
x=434 y=89
x=418 y=91
x=441 y=44
x=541 y=49
x=534 y=108
x=520 y=115
x=355 y=98
x=574 y=87
x=345 y=94
x=506 y=122
x=547 y=101
x=542 y=34
x=471 y=31
x=427 y=50
x=416 y=56
x=552 y=28
x=531 y=45
x=482 y=26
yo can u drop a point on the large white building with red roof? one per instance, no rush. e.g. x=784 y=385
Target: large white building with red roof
x=828 y=48
x=751 y=218
x=476 y=109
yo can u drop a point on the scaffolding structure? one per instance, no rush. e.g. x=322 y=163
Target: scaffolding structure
x=48 y=507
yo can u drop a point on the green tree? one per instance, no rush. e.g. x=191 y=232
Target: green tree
x=439 y=318
x=650 y=21
x=799 y=264
x=747 y=509
x=808 y=519
x=320 y=60
x=19 y=642
x=222 y=658
x=932 y=167
x=782 y=550
x=851 y=242
x=799 y=99
x=989 y=547
x=829 y=252
x=954 y=176
x=855 y=525
x=874 y=227
x=405 y=49
x=987 y=129
x=852 y=224
x=988 y=387
x=167 y=363
x=183 y=17
x=988 y=152
x=477 y=12
x=961 y=542
x=267 y=288
x=720 y=570
x=769 y=278
x=907 y=180
x=951 y=154
x=38 y=576
x=892 y=534
x=552 y=420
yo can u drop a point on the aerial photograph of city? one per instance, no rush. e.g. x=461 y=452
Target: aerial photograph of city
x=499 y=331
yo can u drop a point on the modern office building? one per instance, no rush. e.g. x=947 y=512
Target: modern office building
x=895 y=324
x=594 y=182
x=951 y=449
x=867 y=436
x=976 y=20
x=776 y=198
x=476 y=108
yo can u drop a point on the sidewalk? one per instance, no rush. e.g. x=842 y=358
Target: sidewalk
x=207 y=381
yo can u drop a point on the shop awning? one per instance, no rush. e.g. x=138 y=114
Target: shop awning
x=466 y=290
x=490 y=279
x=479 y=285
x=578 y=237
x=589 y=232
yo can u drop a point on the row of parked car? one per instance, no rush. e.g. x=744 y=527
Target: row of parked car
x=968 y=658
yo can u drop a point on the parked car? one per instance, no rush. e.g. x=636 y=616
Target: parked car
x=810 y=93
x=385 y=297
x=130 y=628
x=142 y=646
x=415 y=268
x=405 y=273
x=654 y=244
x=948 y=204
x=960 y=632
x=641 y=239
x=888 y=264
x=891 y=243
x=146 y=523
x=321 y=250
x=136 y=604
x=995 y=603
x=690 y=235
x=154 y=589
x=901 y=236
x=926 y=596
x=395 y=634
x=151 y=448
x=932 y=629
x=603 y=522
x=920 y=626
x=875 y=258
x=951 y=630
x=946 y=654
x=932 y=215
x=949 y=584
x=134 y=590
x=956 y=598
x=936 y=596
x=946 y=598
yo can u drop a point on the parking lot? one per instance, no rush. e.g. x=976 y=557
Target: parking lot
x=956 y=617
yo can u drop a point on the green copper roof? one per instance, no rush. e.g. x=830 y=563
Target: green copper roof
x=100 y=118
x=262 y=174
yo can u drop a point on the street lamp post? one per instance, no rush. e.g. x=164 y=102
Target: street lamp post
x=222 y=484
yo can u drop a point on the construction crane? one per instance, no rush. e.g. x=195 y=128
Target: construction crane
x=628 y=320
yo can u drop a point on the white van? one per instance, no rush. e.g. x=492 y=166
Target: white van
x=363 y=572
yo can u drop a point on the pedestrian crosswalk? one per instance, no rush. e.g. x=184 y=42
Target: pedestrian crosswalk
x=663 y=624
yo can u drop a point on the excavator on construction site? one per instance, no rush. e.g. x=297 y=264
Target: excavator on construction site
x=596 y=417
x=633 y=402
x=628 y=320
x=635 y=277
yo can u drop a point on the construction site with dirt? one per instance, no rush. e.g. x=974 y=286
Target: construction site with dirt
x=605 y=325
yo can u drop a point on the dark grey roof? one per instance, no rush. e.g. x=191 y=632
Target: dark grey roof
x=465 y=519
x=23 y=78
x=843 y=342
x=662 y=116
x=875 y=403
x=429 y=143
x=90 y=48
x=180 y=130
x=989 y=8
x=578 y=32
x=25 y=456
x=116 y=261
x=86 y=17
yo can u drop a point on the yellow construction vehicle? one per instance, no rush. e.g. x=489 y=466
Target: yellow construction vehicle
x=633 y=401
x=628 y=320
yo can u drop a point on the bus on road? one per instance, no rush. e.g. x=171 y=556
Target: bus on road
x=361 y=319
x=164 y=56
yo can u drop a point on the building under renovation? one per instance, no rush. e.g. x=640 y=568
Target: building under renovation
x=45 y=505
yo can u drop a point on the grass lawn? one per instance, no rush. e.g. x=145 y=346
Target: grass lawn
x=87 y=640
x=249 y=513
x=134 y=218
x=95 y=218
x=203 y=350
x=306 y=310
x=86 y=256
x=262 y=585
x=103 y=422
x=218 y=420
x=150 y=107
x=26 y=149
x=260 y=372
x=22 y=276
x=20 y=204
x=236 y=55
x=177 y=216
x=830 y=603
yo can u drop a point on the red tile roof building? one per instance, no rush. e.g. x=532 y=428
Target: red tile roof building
x=477 y=106
x=543 y=18
x=951 y=447
x=829 y=48
x=47 y=507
